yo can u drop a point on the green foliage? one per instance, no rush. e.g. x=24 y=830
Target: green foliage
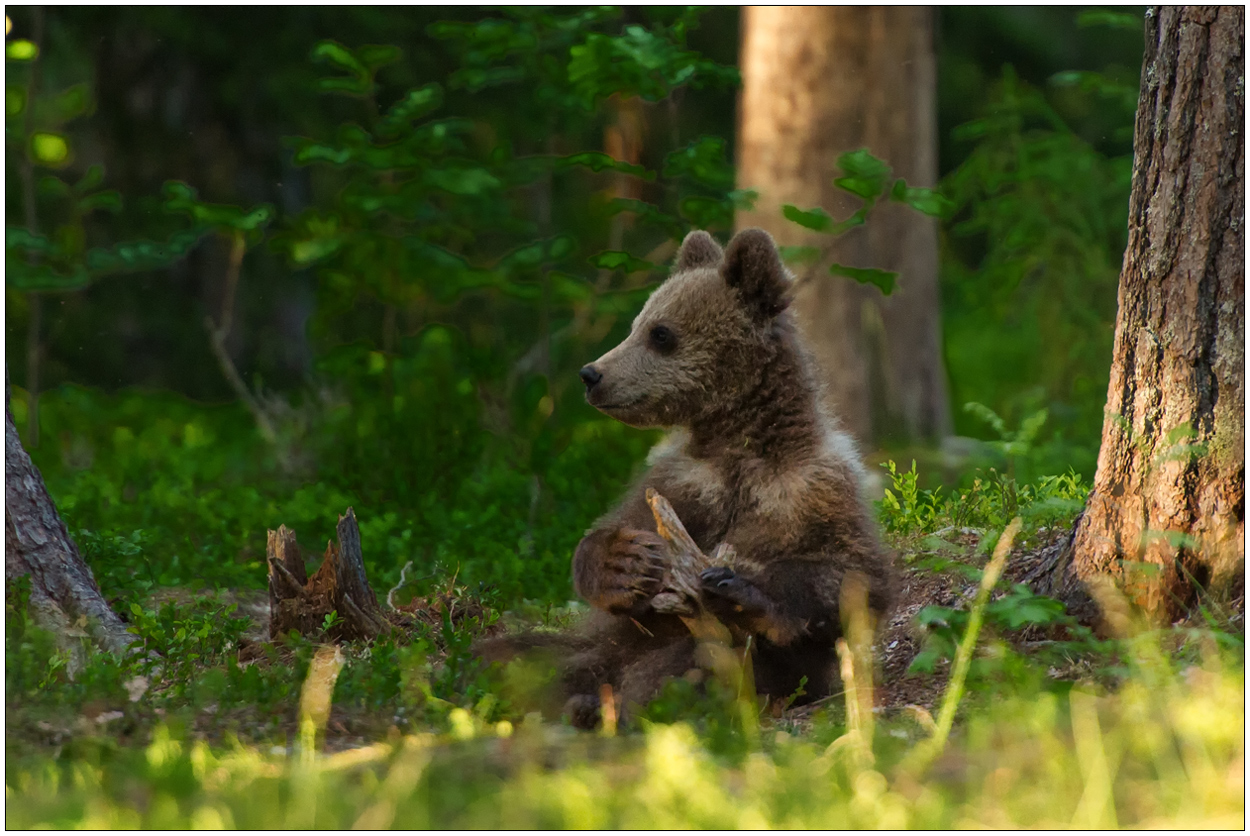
x=1177 y=739
x=171 y=493
x=990 y=502
x=1017 y=609
x=1031 y=261
x=642 y=62
x=467 y=245
x=180 y=639
x=868 y=179
x=64 y=259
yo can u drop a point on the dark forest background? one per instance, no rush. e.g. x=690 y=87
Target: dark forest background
x=265 y=263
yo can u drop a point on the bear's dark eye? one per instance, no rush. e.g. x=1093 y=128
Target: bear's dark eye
x=662 y=339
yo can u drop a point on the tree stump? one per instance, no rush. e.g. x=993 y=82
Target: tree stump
x=338 y=587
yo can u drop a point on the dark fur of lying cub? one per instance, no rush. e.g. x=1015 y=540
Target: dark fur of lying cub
x=753 y=460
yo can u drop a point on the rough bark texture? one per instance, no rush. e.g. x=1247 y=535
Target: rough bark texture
x=338 y=586
x=680 y=595
x=64 y=596
x=1170 y=485
x=817 y=82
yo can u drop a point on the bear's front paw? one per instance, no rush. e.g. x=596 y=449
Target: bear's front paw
x=624 y=573
x=730 y=596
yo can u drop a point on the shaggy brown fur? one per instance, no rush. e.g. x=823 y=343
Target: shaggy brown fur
x=752 y=461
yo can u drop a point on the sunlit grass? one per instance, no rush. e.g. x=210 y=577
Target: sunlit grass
x=1138 y=758
x=1164 y=750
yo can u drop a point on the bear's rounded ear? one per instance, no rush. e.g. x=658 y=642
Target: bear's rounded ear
x=698 y=250
x=753 y=267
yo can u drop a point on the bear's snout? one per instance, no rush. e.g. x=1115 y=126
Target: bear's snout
x=590 y=376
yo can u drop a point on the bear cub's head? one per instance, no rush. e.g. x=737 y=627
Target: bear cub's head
x=703 y=338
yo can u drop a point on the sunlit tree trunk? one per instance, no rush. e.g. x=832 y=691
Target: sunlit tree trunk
x=1167 y=512
x=64 y=597
x=817 y=82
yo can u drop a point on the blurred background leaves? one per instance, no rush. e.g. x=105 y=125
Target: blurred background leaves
x=442 y=214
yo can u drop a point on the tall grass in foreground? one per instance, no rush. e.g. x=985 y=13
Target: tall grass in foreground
x=1168 y=757
x=1165 y=750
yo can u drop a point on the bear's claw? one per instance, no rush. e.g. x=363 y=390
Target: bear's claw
x=725 y=592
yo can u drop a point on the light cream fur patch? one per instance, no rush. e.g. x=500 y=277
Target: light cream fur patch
x=700 y=477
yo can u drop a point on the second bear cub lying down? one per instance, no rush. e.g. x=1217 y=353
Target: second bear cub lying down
x=752 y=461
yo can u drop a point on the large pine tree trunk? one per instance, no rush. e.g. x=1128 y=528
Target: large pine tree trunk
x=817 y=82
x=64 y=597
x=1167 y=513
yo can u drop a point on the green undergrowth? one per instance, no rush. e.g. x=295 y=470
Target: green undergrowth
x=160 y=491
x=207 y=725
x=1163 y=749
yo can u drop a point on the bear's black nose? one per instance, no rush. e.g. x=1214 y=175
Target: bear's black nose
x=590 y=376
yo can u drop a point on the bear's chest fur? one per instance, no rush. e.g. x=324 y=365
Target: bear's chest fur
x=754 y=504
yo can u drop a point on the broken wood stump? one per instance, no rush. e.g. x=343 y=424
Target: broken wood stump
x=339 y=586
x=680 y=595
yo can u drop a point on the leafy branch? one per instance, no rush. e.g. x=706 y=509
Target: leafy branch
x=868 y=179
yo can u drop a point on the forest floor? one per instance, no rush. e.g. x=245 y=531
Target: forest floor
x=215 y=730
x=947 y=576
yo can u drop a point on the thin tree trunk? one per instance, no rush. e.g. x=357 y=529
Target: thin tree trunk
x=64 y=597
x=34 y=299
x=1167 y=514
x=817 y=82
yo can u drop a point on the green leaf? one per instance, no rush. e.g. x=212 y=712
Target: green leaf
x=347 y=86
x=474 y=79
x=70 y=103
x=617 y=260
x=332 y=52
x=109 y=200
x=49 y=149
x=799 y=255
x=882 y=279
x=568 y=288
x=704 y=212
x=21 y=50
x=310 y=250
x=14 y=99
x=649 y=213
x=817 y=219
x=987 y=415
x=374 y=56
x=462 y=181
x=181 y=198
x=91 y=178
x=744 y=199
x=704 y=161
x=138 y=256
x=316 y=152
x=415 y=104
x=561 y=247
x=927 y=201
x=598 y=161
x=16 y=237
x=530 y=255
x=1115 y=20
x=862 y=174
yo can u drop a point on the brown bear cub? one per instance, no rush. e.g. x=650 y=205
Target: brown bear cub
x=752 y=460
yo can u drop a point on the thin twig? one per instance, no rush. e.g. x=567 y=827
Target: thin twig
x=34 y=320
x=217 y=334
